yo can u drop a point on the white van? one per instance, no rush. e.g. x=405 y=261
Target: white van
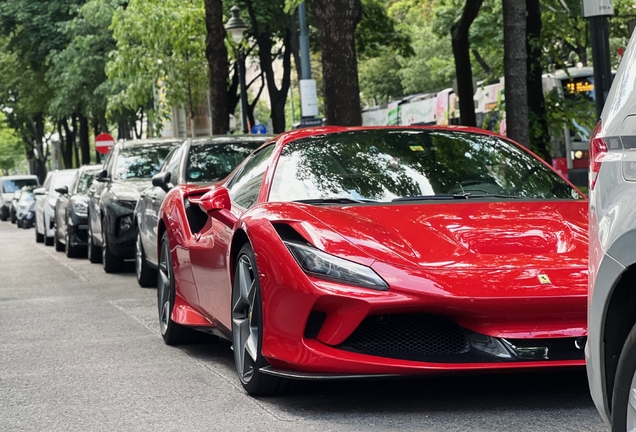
x=10 y=184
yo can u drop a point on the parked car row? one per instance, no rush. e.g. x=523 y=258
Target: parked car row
x=335 y=253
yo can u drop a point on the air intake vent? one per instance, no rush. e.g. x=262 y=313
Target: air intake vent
x=408 y=336
x=196 y=217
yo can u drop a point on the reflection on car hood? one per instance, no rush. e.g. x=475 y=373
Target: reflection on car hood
x=130 y=189
x=467 y=234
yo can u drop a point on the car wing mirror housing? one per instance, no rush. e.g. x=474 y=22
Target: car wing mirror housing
x=102 y=176
x=216 y=200
x=39 y=191
x=62 y=190
x=162 y=180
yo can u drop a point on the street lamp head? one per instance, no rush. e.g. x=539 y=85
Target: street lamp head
x=236 y=26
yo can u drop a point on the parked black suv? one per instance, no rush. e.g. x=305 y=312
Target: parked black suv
x=127 y=171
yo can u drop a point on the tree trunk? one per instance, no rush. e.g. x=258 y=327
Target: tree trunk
x=463 y=69
x=515 y=70
x=277 y=96
x=539 y=135
x=68 y=144
x=84 y=141
x=216 y=54
x=76 y=159
x=337 y=21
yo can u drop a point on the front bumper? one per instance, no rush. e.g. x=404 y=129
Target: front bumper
x=121 y=240
x=77 y=227
x=315 y=326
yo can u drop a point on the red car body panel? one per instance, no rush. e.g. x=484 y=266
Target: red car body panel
x=475 y=262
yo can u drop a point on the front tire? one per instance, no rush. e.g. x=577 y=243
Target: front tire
x=111 y=263
x=247 y=329
x=39 y=238
x=624 y=393
x=146 y=276
x=59 y=246
x=94 y=252
x=171 y=332
x=70 y=250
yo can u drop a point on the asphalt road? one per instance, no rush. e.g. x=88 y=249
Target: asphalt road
x=80 y=351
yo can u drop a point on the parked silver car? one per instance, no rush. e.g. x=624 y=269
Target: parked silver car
x=45 y=198
x=611 y=347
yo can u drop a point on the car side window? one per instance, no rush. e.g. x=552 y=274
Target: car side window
x=246 y=185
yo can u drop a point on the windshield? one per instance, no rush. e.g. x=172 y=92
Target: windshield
x=10 y=186
x=140 y=162
x=64 y=178
x=384 y=165
x=213 y=162
x=85 y=181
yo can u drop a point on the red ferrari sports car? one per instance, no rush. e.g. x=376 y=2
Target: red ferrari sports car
x=349 y=252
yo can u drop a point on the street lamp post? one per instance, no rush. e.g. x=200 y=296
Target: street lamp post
x=237 y=28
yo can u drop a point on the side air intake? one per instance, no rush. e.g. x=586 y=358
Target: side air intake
x=197 y=218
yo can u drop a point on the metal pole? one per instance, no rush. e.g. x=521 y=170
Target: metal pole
x=305 y=68
x=243 y=89
x=291 y=104
x=599 y=29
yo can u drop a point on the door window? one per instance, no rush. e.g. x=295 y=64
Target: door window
x=246 y=185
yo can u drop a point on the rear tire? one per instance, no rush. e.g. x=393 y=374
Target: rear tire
x=247 y=329
x=171 y=332
x=624 y=412
x=146 y=276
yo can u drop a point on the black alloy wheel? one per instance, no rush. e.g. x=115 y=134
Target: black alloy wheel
x=93 y=252
x=110 y=262
x=171 y=332
x=146 y=276
x=247 y=329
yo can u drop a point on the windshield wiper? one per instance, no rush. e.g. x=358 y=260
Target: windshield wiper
x=471 y=196
x=431 y=197
x=332 y=201
x=442 y=197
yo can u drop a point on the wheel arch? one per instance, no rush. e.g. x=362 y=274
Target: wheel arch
x=619 y=319
x=238 y=240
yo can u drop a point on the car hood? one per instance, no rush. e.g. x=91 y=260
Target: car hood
x=130 y=189
x=7 y=197
x=464 y=235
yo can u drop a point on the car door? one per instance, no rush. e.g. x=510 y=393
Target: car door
x=95 y=194
x=152 y=198
x=40 y=224
x=209 y=249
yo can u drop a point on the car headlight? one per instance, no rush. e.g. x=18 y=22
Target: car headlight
x=125 y=224
x=322 y=265
x=80 y=208
x=129 y=204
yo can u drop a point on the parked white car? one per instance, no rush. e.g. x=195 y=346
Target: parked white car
x=45 y=199
x=10 y=184
x=611 y=346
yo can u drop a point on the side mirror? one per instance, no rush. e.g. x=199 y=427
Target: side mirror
x=39 y=191
x=62 y=190
x=102 y=177
x=215 y=200
x=162 y=180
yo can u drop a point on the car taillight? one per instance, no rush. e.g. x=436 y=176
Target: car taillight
x=598 y=150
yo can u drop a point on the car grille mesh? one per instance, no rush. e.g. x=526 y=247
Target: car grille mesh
x=412 y=336
x=197 y=218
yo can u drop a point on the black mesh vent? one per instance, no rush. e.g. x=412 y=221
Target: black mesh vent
x=196 y=217
x=408 y=336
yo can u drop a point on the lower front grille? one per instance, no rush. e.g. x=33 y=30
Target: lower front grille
x=414 y=336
